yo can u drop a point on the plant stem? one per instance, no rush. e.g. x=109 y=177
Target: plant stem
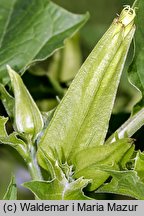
x=33 y=165
x=133 y=124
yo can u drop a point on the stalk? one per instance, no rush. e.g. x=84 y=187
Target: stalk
x=32 y=163
x=133 y=124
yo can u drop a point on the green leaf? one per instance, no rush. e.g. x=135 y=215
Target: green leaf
x=135 y=72
x=3 y=121
x=55 y=190
x=125 y=183
x=7 y=100
x=12 y=139
x=60 y=187
x=11 y=193
x=90 y=163
x=81 y=119
x=33 y=30
x=139 y=165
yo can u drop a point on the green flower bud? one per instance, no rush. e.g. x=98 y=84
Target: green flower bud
x=81 y=119
x=127 y=18
x=28 y=119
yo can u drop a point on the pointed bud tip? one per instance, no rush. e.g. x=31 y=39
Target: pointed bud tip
x=127 y=15
x=10 y=70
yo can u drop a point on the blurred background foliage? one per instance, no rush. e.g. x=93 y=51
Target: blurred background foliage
x=48 y=81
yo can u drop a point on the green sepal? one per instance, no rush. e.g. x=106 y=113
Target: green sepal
x=55 y=190
x=91 y=162
x=127 y=157
x=125 y=183
x=7 y=100
x=139 y=165
x=61 y=187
